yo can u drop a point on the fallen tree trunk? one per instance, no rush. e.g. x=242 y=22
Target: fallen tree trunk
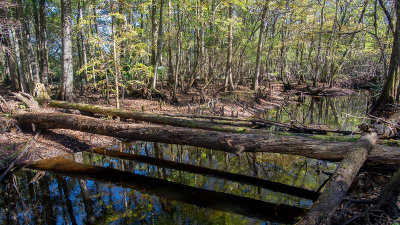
x=340 y=182
x=147 y=117
x=229 y=142
x=234 y=125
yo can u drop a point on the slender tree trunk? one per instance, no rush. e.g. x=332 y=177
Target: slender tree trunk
x=317 y=60
x=228 y=71
x=78 y=44
x=154 y=43
x=43 y=61
x=170 y=64
x=23 y=86
x=259 y=47
x=116 y=66
x=159 y=46
x=178 y=52
x=10 y=62
x=22 y=49
x=83 y=75
x=67 y=69
x=35 y=10
x=389 y=92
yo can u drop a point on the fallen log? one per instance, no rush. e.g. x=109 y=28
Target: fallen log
x=337 y=186
x=143 y=116
x=280 y=213
x=271 y=185
x=228 y=142
x=230 y=124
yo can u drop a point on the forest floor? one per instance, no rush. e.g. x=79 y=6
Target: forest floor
x=241 y=103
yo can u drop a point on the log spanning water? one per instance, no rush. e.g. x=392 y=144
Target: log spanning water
x=215 y=123
x=340 y=182
x=204 y=198
x=229 y=142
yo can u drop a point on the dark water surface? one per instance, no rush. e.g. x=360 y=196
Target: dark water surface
x=343 y=112
x=95 y=188
x=154 y=183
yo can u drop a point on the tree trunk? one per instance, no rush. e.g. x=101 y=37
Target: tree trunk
x=340 y=182
x=387 y=200
x=67 y=69
x=154 y=43
x=228 y=71
x=178 y=54
x=152 y=118
x=228 y=142
x=259 y=47
x=11 y=63
x=159 y=45
x=389 y=91
x=116 y=65
x=22 y=49
x=43 y=61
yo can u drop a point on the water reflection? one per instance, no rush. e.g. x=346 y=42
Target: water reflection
x=141 y=192
x=343 y=113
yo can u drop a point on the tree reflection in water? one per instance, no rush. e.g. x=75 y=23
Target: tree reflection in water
x=55 y=198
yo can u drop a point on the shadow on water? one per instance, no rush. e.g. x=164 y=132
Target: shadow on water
x=343 y=112
x=153 y=183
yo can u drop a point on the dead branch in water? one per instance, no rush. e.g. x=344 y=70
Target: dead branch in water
x=20 y=155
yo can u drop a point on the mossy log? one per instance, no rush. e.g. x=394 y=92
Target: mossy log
x=337 y=187
x=148 y=117
x=226 y=124
x=228 y=142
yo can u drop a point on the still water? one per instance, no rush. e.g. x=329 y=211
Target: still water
x=343 y=113
x=153 y=183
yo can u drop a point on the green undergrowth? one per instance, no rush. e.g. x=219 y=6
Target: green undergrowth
x=285 y=134
x=336 y=137
x=392 y=142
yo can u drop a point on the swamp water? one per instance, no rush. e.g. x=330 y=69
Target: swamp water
x=154 y=183
x=96 y=188
x=342 y=113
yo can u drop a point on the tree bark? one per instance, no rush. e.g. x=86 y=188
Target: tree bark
x=11 y=63
x=116 y=63
x=228 y=142
x=149 y=117
x=387 y=200
x=259 y=47
x=228 y=71
x=43 y=61
x=154 y=42
x=340 y=182
x=159 y=46
x=389 y=91
x=67 y=69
